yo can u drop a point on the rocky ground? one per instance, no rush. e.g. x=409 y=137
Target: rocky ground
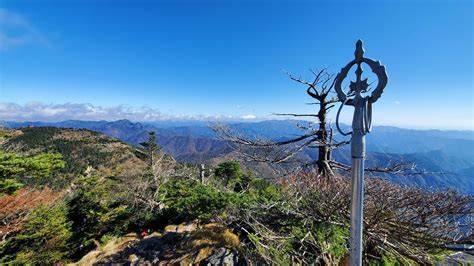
x=209 y=244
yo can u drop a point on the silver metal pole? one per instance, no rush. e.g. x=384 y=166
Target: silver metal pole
x=361 y=125
x=357 y=201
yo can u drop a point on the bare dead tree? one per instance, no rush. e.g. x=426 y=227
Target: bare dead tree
x=319 y=89
x=321 y=137
x=396 y=168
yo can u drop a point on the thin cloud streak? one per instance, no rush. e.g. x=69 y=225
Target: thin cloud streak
x=16 y=31
x=248 y=117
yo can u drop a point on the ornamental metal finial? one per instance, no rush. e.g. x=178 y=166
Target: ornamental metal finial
x=377 y=68
x=361 y=125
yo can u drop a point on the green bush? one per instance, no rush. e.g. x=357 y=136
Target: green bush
x=43 y=240
x=262 y=191
x=16 y=170
x=9 y=186
x=95 y=209
x=332 y=239
x=190 y=200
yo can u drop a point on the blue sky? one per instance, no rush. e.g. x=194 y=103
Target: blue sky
x=148 y=60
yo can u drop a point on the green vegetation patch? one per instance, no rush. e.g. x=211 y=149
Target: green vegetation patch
x=15 y=170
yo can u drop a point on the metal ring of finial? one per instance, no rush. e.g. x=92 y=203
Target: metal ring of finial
x=337 y=120
x=377 y=68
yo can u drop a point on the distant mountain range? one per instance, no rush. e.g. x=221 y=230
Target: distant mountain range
x=448 y=153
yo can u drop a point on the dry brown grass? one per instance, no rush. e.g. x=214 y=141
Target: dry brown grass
x=215 y=235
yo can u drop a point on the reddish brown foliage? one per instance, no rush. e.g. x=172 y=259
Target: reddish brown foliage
x=15 y=208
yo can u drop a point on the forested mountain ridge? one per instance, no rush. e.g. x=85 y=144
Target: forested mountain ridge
x=82 y=150
x=448 y=156
x=382 y=138
x=184 y=147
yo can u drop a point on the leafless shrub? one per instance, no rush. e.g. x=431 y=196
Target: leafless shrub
x=408 y=223
x=143 y=189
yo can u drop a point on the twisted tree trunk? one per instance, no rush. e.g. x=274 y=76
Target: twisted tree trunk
x=324 y=151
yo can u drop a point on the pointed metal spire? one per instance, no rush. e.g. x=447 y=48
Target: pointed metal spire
x=359 y=52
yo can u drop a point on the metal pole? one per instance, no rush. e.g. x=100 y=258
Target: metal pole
x=361 y=125
x=357 y=201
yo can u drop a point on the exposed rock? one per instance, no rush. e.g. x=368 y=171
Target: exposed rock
x=182 y=228
x=186 y=244
x=112 y=247
x=186 y=228
x=224 y=256
x=133 y=258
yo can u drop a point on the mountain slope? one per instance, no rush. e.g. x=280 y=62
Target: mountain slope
x=83 y=150
x=184 y=147
x=449 y=155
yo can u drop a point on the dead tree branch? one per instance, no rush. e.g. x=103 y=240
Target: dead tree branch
x=282 y=151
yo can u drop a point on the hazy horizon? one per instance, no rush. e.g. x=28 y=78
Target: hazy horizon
x=188 y=121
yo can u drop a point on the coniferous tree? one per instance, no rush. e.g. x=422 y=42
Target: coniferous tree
x=152 y=148
x=229 y=172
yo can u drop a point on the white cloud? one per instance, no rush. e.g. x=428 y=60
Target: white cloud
x=37 y=111
x=396 y=102
x=15 y=30
x=248 y=117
